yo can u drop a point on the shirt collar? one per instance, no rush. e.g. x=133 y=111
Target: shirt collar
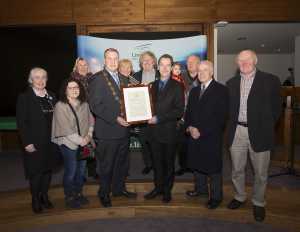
x=112 y=73
x=250 y=75
x=207 y=83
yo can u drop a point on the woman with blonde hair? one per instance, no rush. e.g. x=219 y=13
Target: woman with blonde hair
x=126 y=70
x=81 y=72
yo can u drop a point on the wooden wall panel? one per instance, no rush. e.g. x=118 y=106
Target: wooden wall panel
x=180 y=11
x=90 y=29
x=17 y=12
x=20 y=12
x=109 y=11
x=249 y=10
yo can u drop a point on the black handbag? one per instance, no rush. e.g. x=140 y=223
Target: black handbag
x=87 y=151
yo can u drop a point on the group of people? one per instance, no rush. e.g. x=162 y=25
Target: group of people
x=190 y=113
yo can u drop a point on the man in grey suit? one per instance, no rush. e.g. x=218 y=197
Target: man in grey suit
x=110 y=128
x=255 y=106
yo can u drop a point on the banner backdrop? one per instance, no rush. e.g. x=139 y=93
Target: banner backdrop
x=92 y=49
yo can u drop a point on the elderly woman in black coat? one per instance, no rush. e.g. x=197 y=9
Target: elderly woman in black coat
x=34 y=118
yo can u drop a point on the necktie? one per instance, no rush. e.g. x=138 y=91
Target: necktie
x=161 y=86
x=116 y=78
x=202 y=90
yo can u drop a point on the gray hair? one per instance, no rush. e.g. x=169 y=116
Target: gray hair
x=209 y=64
x=34 y=71
x=251 y=53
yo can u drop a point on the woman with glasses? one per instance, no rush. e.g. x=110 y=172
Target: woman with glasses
x=72 y=128
x=34 y=117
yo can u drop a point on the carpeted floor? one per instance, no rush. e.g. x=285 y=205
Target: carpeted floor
x=158 y=225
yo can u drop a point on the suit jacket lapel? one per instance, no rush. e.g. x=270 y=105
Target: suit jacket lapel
x=254 y=86
x=207 y=90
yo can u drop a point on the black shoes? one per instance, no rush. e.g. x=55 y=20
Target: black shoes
x=72 y=202
x=151 y=195
x=146 y=170
x=180 y=172
x=105 y=201
x=36 y=205
x=259 y=213
x=166 y=198
x=82 y=199
x=45 y=202
x=192 y=193
x=235 y=204
x=213 y=204
x=125 y=193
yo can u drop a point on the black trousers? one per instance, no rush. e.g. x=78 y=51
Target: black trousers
x=112 y=165
x=163 y=165
x=182 y=141
x=215 y=184
x=40 y=183
x=146 y=147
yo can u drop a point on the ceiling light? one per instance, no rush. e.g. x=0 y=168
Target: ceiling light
x=221 y=24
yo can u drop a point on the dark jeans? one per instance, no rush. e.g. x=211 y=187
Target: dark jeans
x=74 y=171
x=163 y=165
x=112 y=165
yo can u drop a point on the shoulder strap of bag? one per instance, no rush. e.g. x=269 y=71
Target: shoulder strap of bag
x=76 y=118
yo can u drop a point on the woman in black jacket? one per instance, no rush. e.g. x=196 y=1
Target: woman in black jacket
x=34 y=118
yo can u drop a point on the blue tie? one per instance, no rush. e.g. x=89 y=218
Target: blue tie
x=116 y=78
x=161 y=86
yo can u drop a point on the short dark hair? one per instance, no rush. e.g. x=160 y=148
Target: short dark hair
x=63 y=96
x=111 y=50
x=177 y=63
x=166 y=56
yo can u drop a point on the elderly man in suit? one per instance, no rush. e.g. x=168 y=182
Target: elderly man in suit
x=168 y=103
x=255 y=106
x=110 y=128
x=205 y=119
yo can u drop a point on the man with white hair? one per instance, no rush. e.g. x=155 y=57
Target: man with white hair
x=255 y=106
x=204 y=121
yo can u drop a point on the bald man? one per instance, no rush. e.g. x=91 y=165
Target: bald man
x=255 y=106
x=205 y=119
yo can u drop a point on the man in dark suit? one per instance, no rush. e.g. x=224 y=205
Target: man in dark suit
x=111 y=129
x=190 y=79
x=147 y=75
x=168 y=103
x=205 y=119
x=255 y=106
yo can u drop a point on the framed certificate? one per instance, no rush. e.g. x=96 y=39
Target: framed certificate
x=136 y=104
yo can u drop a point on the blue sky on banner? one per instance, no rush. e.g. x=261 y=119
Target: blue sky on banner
x=92 y=48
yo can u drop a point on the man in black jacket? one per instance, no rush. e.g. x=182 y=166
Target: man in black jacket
x=110 y=128
x=255 y=106
x=168 y=103
x=147 y=75
x=205 y=119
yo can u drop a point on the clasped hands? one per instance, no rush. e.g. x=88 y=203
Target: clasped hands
x=194 y=132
